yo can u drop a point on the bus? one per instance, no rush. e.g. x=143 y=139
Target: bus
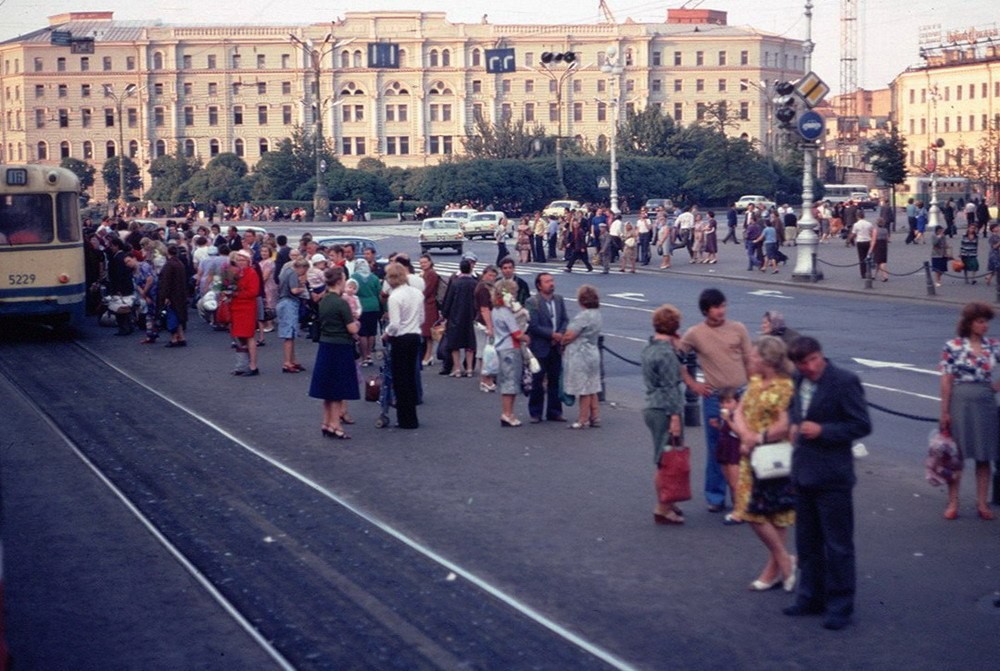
x=41 y=245
x=841 y=193
x=919 y=189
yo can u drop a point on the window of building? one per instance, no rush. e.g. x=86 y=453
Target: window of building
x=678 y=112
x=188 y=88
x=958 y=124
x=39 y=90
x=109 y=149
x=445 y=58
x=402 y=113
x=213 y=147
x=433 y=112
x=189 y=116
x=699 y=85
x=477 y=86
x=505 y=86
x=477 y=111
x=744 y=57
x=109 y=117
x=84 y=90
x=64 y=118
x=656 y=86
x=261 y=61
x=159 y=117
x=602 y=111
x=476 y=58
x=947 y=126
x=677 y=58
x=433 y=58
x=506 y=113
x=158 y=89
x=286 y=88
x=61 y=64
x=577 y=86
x=263 y=146
x=286 y=60
x=744 y=111
x=63 y=90
x=84 y=63
x=186 y=61
x=189 y=148
x=262 y=115
x=553 y=112
x=286 y=115
x=390 y=113
x=43 y=151
x=359 y=112
x=913 y=126
x=947 y=93
x=132 y=116
x=700 y=112
x=239 y=147
x=237 y=88
x=985 y=90
x=39 y=118
x=130 y=62
x=678 y=85
x=657 y=58
x=262 y=88
x=577 y=111
x=157 y=61
x=699 y=58
x=958 y=94
x=39 y=64
x=529 y=85
x=88 y=150
x=529 y=112
x=236 y=61
x=345 y=146
x=722 y=86
x=722 y=58
x=86 y=114
x=629 y=85
x=64 y=150
x=972 y=91
x=913 y=94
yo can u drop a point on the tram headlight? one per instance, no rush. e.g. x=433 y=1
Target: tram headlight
x=64 y=279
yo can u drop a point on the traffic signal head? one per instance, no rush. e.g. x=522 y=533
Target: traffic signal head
x=785 y=104
x=558 y=57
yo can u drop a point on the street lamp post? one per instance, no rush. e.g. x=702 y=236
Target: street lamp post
x=562 y=77
x=807 y=242
x=119 y=100
x=934 y=213
x=613 y=68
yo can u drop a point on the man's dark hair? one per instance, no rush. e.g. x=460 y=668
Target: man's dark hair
x=710 y=298
x=802 y=347
x=465 y=265
x=538 y=279
x=505 y=260
x=282 y=240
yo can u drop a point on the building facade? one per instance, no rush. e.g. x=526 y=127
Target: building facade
x=150 y=89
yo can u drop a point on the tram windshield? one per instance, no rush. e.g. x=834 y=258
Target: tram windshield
x=26 y=219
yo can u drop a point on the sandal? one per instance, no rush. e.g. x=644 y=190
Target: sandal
x=577 y=425
x=595 y=423
x=337 y=434
x=347 y=419
x=261 y=343
x=290 y=369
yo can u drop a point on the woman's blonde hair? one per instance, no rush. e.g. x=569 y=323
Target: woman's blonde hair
x=395 y=274
x=774 y=353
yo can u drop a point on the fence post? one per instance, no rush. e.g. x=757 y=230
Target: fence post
x=600 y=350
x=815 y=268
x=692 y=412
x=930 y=279
x=869 y=266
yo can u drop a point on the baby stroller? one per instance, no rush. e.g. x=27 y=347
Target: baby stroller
x=386 y=399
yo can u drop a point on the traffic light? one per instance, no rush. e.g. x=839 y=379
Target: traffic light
x=567 y=57
x=785 y=104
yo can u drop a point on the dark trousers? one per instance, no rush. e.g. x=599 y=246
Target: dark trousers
x=824 y=540
x=551 y=370
x=644 y=255
x=911 y=235
x=863 y=248
x=502 y=252
x=552 y=245
x=731 y=236
x=572 y=256
x=539 y=248
x=405 y=350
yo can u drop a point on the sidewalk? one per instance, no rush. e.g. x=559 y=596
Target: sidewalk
x=839 y=265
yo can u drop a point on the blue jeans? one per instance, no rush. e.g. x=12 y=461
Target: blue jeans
x=715 y=481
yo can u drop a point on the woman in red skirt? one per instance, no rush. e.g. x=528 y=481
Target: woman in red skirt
x=243 y=308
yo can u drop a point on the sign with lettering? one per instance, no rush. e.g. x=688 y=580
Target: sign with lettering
x=500 y=61
x=383 y=55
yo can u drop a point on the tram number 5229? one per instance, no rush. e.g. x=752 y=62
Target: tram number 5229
x=20 y=279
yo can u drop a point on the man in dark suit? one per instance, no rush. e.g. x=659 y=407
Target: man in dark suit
x=546 y=325
x=828 y=412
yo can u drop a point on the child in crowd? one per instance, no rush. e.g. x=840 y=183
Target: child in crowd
x=727 y=451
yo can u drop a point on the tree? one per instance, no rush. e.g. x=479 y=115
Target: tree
x=83 y=170
x=289 y=172
x=110 y=174
x=646 y=133
x=720 y=174
x=987 y=168
x=719 y=117
x=505 y=139
x=169 y=173
x=886 y=153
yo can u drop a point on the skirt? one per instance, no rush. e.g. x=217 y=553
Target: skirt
x=974 y=422
x=335 y=375
x=511 y=367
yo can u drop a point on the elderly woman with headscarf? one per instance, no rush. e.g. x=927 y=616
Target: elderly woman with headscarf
x=172 y=296
x=369 y=288
x=773 y=324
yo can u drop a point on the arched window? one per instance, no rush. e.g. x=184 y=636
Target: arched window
x=213 y=147
x=351 y=89
x=433 y=58
x=345 y=59
x=161 y=148
x=440 y=89
x=88 y=150
x=402 y=58
x=477 y=58
x=357 y=59
x=396 y=89
x=238 y=147
x=109 y=149
x=446 y=58
x=264 y=146
x=602 y=143
x=189 y=148
x=157 y=61
x=64 y=150
x=43 y=151
x=133 y=149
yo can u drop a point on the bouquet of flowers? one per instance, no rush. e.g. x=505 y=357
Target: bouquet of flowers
x=228 y=280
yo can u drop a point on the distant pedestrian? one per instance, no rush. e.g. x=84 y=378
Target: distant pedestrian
x=862 y=234
x=582 y=358
x=732 y=217
x=335 y=377
x=880 y=249
x=406 y=317
x=711 y=245
x=940 y=253
x=502 y=234
x=510 y=325
x=547 y=323
x=968 y=252
x=576 y=247
x=993 y=265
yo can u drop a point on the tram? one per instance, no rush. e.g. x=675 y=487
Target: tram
x=41 y=245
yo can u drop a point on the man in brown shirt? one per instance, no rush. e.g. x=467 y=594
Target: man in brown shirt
x=723 y=349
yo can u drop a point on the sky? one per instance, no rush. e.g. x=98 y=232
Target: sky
x=887 y=30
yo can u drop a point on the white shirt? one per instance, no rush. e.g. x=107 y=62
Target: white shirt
x=684 y=220
x=642 y=225
x=406 y=311
x=862 y=230
x=616 y=228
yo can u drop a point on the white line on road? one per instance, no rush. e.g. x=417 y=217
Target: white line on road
x=901 y=391
x=633 y=339
x=496 y=592
x=625 y=307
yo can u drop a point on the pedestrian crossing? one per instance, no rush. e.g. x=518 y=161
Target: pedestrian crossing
x=450 y=267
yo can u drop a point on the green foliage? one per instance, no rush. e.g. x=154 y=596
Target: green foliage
x=231 y=161
x=110 y=175
x=505 y=139
x=169 y=173
x=887 y=155
x=83 y=170
x=646 y=133
x=725 y=171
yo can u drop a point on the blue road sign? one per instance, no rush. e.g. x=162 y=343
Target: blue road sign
x=500 y=60
x=811 y=125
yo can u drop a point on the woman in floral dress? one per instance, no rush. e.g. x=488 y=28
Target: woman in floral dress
x=582 y=358
x=762 y=417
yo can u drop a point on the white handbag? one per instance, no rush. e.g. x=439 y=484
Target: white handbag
x=773 y=460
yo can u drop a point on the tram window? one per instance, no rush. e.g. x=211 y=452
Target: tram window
x=67 y=217
x=26 y=219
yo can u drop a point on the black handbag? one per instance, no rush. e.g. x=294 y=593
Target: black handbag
x=314 y=330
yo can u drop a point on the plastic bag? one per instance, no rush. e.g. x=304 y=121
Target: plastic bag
x=491 y=362
x=944 y=459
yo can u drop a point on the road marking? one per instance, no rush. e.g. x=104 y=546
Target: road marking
x=495 y=592
x=630 y=296
x=900 y=391
x=623 y=337
x=874 y=363
x=770 y=293
x=626 y=307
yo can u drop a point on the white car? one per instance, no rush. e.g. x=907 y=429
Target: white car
x=462 y=213
x=757 y=201
x=442 y=233
x=557 y=208
x=483 y=224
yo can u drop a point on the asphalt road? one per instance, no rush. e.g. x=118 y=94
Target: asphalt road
x=555 y=521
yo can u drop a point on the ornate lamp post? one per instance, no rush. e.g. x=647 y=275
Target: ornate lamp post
x=613 y=68
x=119 y=100
x=568 y=58
x=807 y=242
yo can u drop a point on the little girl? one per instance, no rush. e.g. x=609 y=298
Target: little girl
x=727 y=450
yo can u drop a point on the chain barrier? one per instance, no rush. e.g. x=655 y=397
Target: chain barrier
x=619 y=356
x=965 y=277
x=919 y=269
x=837 y=265
x=902 y=414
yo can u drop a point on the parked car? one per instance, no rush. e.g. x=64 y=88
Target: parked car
x=654 y=204
x=756 y=201
x=360 y=244
x=462 y=213
x=483 y=224
x=557 y=208
x=442 y=233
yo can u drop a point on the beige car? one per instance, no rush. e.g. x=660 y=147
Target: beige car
x=441 y=233
x=557 y=208
x=482 y=224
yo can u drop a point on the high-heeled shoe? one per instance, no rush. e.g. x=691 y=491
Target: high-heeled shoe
x=427 y=362
x=761 y=586
x=788 y=584
x=509 y=421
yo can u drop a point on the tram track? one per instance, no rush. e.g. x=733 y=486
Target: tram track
x=317 y=583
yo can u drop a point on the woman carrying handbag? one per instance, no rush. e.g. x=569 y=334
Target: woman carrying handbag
x=661 y=373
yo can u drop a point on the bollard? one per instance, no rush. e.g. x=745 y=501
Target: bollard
x=600 y=349
x=930 y=279
x=692 y=411
x=869 y=266
x=813 y=274
x=998 y=301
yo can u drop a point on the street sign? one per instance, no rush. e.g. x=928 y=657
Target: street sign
x=811 y=125
x=812 y=89
x=603 y=182
x=383 y=55
x=500 y=61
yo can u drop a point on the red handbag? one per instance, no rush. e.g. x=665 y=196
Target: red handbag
x=673 y=475
x=223 y=314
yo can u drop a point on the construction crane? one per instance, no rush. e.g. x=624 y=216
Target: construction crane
x=691 y=4
x=847 y=109
x=606 y=12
